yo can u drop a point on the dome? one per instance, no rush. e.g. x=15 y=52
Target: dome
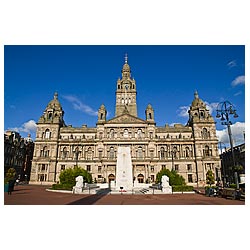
x=197 y=101
x=28 y=139
x=102 y=106
x=149 y=106
x=126 y=67
x=55 y=104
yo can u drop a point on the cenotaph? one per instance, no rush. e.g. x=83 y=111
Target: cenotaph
x=124 y=176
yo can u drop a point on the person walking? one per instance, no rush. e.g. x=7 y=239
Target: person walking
x=11 y=186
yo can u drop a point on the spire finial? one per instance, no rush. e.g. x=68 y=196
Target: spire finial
x=55 y=96
x=196 y=94
x=126 y=58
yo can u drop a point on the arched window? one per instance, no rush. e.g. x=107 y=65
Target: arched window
x=204 y=133
x=174 y=152
x=112 y=133
x=89 y=154
x=111 y=177
x=162 y=153
x=45 y=152
x=140 y=178
x=139 y=133
x=111 y=153
x=50 y=116
x=149 y=116
x=187 y=152
x=139 y=153
x=100 y=135
x=206 y=151
x=77 y=153
x=47 y=134
x=125 y=134
x=64 y=153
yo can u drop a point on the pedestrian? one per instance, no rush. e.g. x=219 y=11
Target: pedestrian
x=11 y=186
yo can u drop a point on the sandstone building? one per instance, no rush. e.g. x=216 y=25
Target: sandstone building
x=18 y=153
x=191 y=150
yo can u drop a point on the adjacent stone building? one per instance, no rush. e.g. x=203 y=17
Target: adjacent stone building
x=18 y=154
x=191 y=150
x=227 y=168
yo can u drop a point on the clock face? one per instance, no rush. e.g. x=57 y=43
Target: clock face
x=126 y=86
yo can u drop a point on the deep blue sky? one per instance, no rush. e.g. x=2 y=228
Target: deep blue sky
x=166 y=77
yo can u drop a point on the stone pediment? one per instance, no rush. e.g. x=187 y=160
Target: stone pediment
x=126 y=118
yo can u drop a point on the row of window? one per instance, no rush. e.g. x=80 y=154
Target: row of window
x=171 y=153
x=174 y=153
x=205 y=134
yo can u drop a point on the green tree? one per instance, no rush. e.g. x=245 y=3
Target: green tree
x=210 y=177
x=238 y=168
x=67 y=177
x=174 y=177
x=11 y=174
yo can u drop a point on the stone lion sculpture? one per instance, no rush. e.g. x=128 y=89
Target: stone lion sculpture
x=79 y=185
x=165 y=181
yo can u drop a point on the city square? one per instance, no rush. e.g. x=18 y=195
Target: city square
x=37 y=195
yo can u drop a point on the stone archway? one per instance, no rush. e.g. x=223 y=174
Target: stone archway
x=111 y=177
x=140 y=178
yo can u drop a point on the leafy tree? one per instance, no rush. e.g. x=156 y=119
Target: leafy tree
x=238 y=168
x=11 y=174
x=174 y=177
x=67 y=177
x=210 y=177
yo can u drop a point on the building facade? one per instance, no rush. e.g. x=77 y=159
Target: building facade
x=191 y=150
x=227 y=168
x=18 y=154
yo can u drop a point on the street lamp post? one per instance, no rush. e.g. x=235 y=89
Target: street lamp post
x=224 y=110
x=222 y=164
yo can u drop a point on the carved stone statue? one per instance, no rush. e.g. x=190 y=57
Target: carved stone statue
x=77 y=189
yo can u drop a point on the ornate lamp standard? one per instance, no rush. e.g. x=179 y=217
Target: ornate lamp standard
x=224 y=110
x=224 y=178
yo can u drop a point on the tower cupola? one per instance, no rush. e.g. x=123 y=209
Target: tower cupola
x=126 y=92
x=53 y=112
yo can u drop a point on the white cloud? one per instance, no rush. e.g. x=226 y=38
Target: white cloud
x=238 y=93
x=232 y=64
x=239 y=80
x=237 y=134
x=78 y=105
x=27 y=127
x=183 y=111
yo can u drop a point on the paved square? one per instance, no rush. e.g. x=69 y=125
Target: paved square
x=37 y=195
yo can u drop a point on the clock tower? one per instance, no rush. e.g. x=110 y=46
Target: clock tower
x=126 y=92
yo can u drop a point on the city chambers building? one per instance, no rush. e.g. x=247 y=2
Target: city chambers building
x=190 y=149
